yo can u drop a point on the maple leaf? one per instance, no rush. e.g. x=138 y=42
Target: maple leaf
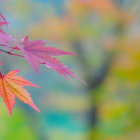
x=7 y=40
x=36 y=51
x=2 y=23
x=12 y=86
x=55 y=64
x=0 y=62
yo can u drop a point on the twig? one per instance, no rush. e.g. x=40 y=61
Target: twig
x=10 y=53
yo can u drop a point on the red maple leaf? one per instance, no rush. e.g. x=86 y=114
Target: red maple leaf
x=12 y=86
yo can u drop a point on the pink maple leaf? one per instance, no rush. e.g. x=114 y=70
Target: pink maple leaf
x=36 y=52
x=3 y=22
x=6 y=40
x=55 y=64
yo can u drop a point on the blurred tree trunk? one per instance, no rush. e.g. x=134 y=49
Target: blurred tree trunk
x=96 y=79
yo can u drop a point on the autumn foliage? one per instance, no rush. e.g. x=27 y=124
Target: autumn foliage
x=35 y=52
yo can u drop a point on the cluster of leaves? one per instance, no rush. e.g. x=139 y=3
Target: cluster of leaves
x=36 y=53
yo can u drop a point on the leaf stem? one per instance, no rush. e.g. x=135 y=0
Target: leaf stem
x=10 y=53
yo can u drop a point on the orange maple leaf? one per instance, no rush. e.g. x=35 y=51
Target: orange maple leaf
x=12 y=86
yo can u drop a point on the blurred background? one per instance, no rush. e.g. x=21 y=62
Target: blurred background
x=106 y=35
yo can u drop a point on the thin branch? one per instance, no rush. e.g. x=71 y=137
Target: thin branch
x=10 y=53
x=6 y=46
